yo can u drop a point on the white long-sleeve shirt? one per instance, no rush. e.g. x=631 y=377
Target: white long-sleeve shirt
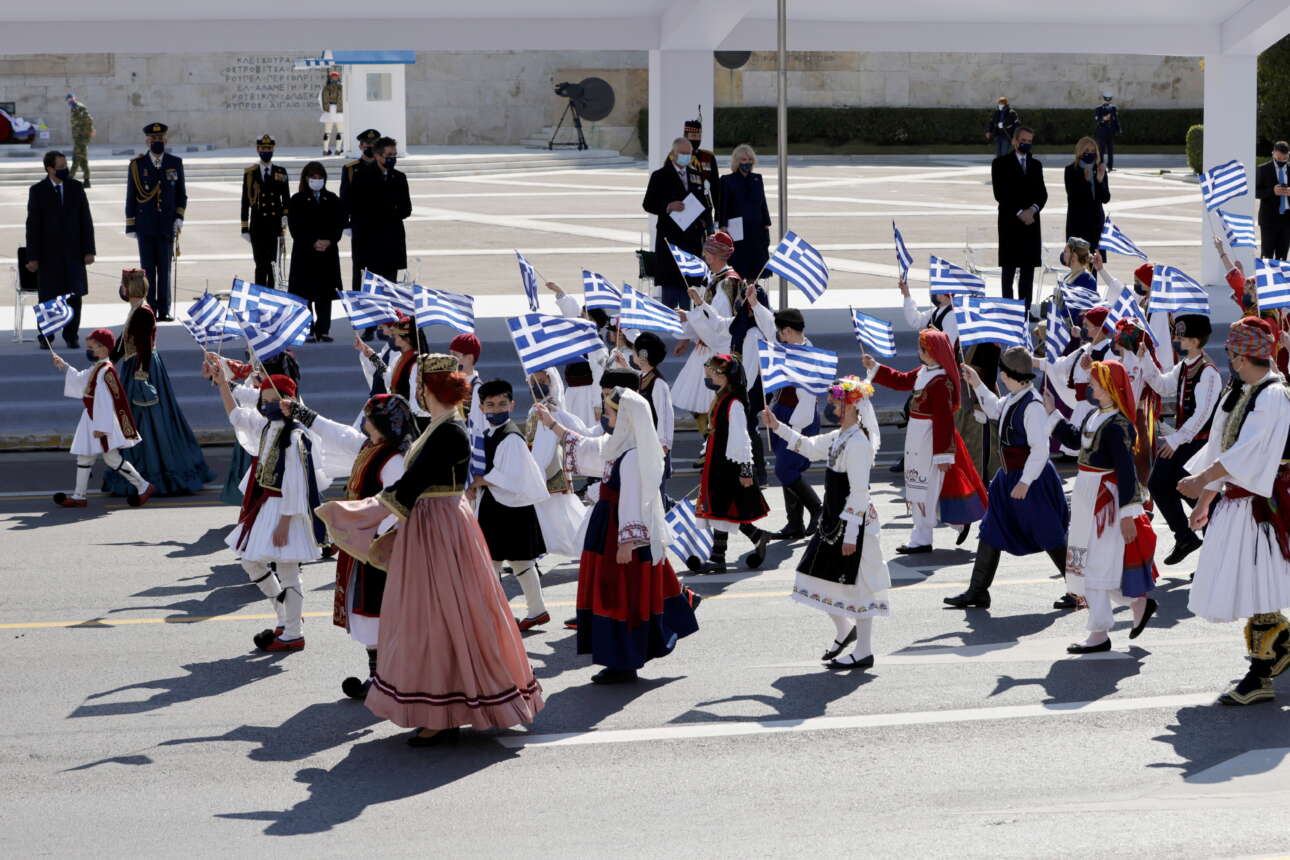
x=84 y=442
x=738 y=442
x=1208 y=389
x=1255 y=456
x=919 y=319
x=848 y=451
x=515 y=480
x=1034 y=420
x=711 y=323
x=661 y=394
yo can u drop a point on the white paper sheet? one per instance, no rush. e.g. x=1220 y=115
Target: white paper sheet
x=693 y=209
x=735 y=227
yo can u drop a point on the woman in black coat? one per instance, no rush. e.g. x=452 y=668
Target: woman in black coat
x=1086 y=190
x=744 y=196
x=316 y=219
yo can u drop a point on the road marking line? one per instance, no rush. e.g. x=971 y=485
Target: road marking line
x=859 y=721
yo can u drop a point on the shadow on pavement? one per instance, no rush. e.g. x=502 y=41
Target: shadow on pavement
x=228 y=590
x=119 y=759
x=987 y=629
x=317 y=728
x=208 y=544
x=1207 y=735
x=203 y=681
x=801 y=697
x=1076 y=680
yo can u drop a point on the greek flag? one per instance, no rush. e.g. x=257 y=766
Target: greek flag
x=800 y=264
x=208 y=322
x=691 y=540
x=878 y=335
x=529 y=278
x=949 y=278
x=1127 y=307
x=642 y=313
x=1058 y=336
x=275 y=329
x=478 y=460
x=1175 y=291
x=441 y=307
x=1272 y=281
x=690 y=265
x=1240 y=229
x=254 y=303
x=599 y=292
x=366 y=310
x=807 y=367
x=399 y=296
x=904 y=259
x=1220 y=184
x=1113 y=239
x=1077 y=298
x=544 y=341
x=984 y=320
x=53 y=315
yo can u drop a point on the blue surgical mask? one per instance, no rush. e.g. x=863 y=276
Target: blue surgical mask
x=712 y=386
x=1177 y=345
x=542 y=390
x=91 y=357
x=1088 y=158
x=604 y=424
x=390 y=161
x=745 y=167
x=272 y=411
x=683 y=159
x=316 y=184
x=497 y=419
x=1024 y=148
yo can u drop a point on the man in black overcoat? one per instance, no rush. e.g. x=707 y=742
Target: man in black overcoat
x=60 y=240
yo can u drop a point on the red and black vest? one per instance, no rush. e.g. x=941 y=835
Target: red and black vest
x=1188 y=380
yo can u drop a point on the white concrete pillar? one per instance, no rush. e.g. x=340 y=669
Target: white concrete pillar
x=679 y=82
x=1230 y=106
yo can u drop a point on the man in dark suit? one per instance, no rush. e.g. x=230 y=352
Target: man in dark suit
x=668 y=187
x=60 y=240
x=264 y=210
x=1272 y=187
x=366 y=140
x=155 y=200
x=379 y=201
x=1018 y=180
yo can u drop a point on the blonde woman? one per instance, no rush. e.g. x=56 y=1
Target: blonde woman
x=744 y=214
x=1086 y=192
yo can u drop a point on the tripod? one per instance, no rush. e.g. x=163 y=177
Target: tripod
x=577 y=125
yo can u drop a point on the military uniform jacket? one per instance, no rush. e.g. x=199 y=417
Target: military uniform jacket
x=1108 y=120
x=347 y=172
x=154 y=196
x=264 y=203
x=704 y=164
x=331 y=95
x=82 y=124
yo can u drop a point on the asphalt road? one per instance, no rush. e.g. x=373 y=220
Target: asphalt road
x=139 y=720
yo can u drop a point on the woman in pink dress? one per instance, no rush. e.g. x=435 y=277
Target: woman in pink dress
x=449 y=654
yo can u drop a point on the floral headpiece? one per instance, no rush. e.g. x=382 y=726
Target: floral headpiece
x=850 y=389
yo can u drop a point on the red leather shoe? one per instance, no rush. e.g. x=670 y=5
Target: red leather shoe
x=139 y=499
x=65 y=501
x=535 y=621
x=280 y=644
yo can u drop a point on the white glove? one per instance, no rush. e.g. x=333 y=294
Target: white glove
x=247 y=237
x=179 y=225
x=284 y=222
x=349 y=233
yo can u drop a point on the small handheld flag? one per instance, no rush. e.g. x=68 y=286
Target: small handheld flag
x=1239 y=229
x=689 y=265
x=53 y=315
x=1058 y=336
x=209 y=323
x=797 y=262
x=988 y=320
x=878 y=335
x=545 y=341
x=366 y=310
x=1173 y=290
x=1127 y=307
x=640 y=312
x=806 y=367
x=1222 y=183
x=275 y=331
x=949 y=278
x=1272 y=283
x=904 y=259
x=397 y=295
x=1113 y=239
x=441 y=307
x=529 y=278
x=691 y=539
x=599 y=292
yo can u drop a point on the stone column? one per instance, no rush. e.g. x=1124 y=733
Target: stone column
x=1230 y=107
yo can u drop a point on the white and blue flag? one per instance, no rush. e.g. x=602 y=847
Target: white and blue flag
x=441 y=307
x=545 y=341
x=1127 y=307
x=1222 y=183
x=1175 y=291
x=209 y=323
x=399 y=296
x=274 y=330
x=478 y=459
x=878 y=335
x=797 y=262
x=1239 y=229
x=529 y=278
x=54 y=315
x=904 y=259
x=1077 y=298
x=689 y=265
x=1058 y=336
x=1272 y=282
x=1113 y=239
x=948 y=278
x=691 y=540
x=806 y=367
x=366 y=310
x=988 y=320
x=254 y=303
x=640 y=312
x=599 y=292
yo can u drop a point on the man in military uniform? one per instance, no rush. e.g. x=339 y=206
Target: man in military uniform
x=704 y=164
x=82 y=131
x=331 y=98
x=366 y=140
x=264 y=209
x=1107 y=117
x=155 y=200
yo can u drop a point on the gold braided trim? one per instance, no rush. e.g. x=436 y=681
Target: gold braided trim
x=1261 y=632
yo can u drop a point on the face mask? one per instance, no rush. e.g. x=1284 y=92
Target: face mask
x=157 y=147
x=542 y=390
x=367 y=152
x=683 y=159
x=266 y=157
x=317 y=184
x=272 y=411
x=497 y=419
x=62 y=173
x=712 y=385
x=1088 y=158
x=1024 y=148
x=91 y=357
x=1177 y=345
x=745 y=167
x=604 y=424
x=390 y=161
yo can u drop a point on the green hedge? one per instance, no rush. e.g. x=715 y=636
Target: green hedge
x=1196 y=148
x=931 y=126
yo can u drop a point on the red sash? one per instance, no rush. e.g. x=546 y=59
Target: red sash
x=1139 y=552
x=120 y=403
x=252 y=501
x=1274 y=511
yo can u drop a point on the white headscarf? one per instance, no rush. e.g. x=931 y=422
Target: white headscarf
x=634 y=428
x=869 y=421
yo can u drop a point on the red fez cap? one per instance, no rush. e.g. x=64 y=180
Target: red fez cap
x=1143 y=273
x=285 y=385
x=1097 y=315
x=103 y=336
x=720 y=244
x=466 y=344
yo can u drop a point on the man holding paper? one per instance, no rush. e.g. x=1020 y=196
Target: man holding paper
x=675 y=197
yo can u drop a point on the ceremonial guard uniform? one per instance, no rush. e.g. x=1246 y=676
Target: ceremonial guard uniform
x=265 y=194
x=1243 y=570
x=155 y=202
x=1107 y=117
x=703 y=163
x=561 y=513
x=106 y=425
x=82 y=131
x=331 y=100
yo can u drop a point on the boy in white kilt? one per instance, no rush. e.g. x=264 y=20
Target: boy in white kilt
x=1244 y=566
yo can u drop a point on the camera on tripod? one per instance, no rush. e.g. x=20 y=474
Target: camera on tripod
x=590 y=99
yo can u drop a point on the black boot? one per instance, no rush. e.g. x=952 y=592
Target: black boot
x=1255 y=687
x=759 y=539
x=793 y=528
x=809 y=500
x=899 y=468
x=716 y=562
x=978 y=590
x=1058 y=555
